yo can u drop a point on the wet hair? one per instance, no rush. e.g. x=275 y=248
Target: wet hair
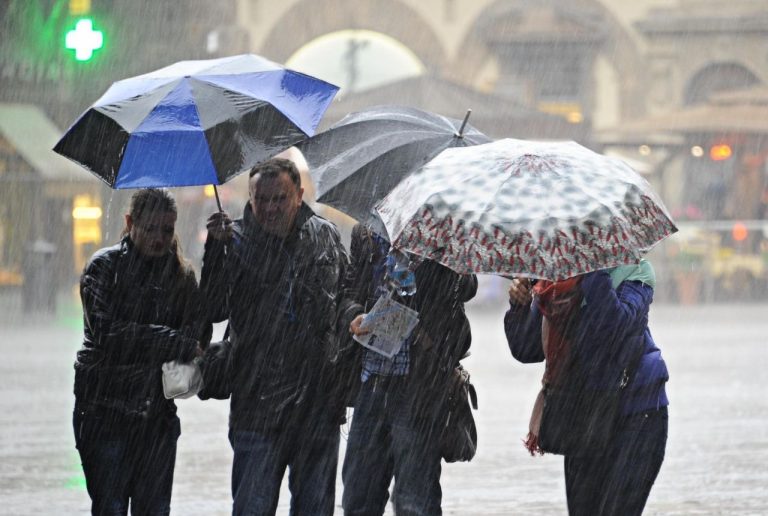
x=276 y=166
x=150 y=201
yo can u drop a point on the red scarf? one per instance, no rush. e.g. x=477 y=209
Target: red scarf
x=559 y=302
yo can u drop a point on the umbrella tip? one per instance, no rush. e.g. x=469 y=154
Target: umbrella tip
x=460 y=134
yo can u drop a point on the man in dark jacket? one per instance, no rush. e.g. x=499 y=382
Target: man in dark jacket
x=275 y=275
x=401 y=407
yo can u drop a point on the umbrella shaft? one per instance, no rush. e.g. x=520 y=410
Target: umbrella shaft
x=218 y=201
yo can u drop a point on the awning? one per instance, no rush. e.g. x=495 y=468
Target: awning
x=33 y=135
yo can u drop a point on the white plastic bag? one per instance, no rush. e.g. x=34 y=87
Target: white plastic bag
x=181 y=379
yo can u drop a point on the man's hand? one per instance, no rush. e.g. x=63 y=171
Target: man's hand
x=354 y=326
x=520 y=292
x=219 y=226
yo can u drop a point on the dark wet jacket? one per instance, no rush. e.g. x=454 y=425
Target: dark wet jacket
x=280 y=297
x=138 y=313
x=443 y=334
x=612 y=330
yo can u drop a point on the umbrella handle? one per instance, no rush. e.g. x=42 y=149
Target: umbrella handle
x=218 y=201
x=460 y=134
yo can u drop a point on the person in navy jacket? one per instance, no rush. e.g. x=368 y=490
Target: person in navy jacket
x=602 y=318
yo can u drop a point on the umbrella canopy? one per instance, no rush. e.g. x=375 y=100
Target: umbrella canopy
x=547 y=210
x=360 y=159
x=195 y=122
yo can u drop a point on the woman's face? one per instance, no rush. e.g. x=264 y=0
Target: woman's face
x=152 y=234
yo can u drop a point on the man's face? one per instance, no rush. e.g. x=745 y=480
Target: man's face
x=275 y=201
x=152 y=234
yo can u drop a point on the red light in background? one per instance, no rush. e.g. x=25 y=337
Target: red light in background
x=739 y=232
x=720 y=152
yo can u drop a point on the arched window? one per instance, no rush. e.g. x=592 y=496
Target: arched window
x=356 y=60
x=717 y=77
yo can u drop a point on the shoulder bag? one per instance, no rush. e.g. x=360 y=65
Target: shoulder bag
x=579 y=419
x=458 y=440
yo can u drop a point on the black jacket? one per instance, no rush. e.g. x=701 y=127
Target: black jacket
x=443 y=334
x=280 y=297
x=138 y=313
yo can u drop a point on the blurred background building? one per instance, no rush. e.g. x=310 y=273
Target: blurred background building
x=675 y=87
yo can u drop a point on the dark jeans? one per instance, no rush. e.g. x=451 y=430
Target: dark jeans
x=619 y=482
x=310 y=451
x=127 y=459
x=387 y=439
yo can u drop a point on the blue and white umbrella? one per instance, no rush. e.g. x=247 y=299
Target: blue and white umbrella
x=195 y=122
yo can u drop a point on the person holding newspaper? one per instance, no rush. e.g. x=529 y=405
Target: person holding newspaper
x=411 y=322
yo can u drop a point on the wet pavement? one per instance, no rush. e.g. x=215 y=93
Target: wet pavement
x=716 y=455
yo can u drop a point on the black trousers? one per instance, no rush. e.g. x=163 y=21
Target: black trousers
x=619 y=482
x=127 y=460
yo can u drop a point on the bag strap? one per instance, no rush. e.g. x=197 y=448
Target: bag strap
x=472 y=394
x=466 y=385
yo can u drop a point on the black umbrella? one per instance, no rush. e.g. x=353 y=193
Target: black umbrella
x=361 y=158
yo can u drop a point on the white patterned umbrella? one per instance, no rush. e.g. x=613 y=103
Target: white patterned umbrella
x=548 y=210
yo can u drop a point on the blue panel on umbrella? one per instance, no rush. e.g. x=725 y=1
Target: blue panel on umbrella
x=177 y=111
x=171 y=158
x=169 y=148
x=302 y=99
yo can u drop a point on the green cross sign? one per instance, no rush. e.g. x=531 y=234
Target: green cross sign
x=84 y=40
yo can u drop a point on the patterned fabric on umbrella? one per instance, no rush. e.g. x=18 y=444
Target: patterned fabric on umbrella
x=548 y=210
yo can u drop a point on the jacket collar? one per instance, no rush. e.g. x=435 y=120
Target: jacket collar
x=128 y=250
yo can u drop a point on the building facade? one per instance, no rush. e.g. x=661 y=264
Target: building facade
x=601 y=61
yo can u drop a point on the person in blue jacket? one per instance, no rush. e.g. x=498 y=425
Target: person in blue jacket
x=602 y=318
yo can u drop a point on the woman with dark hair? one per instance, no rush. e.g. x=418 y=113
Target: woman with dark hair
x=140 y=302
x=592 y=332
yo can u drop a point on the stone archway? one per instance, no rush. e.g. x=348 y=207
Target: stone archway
x=310 y=19
x=620 y=50
x=716 y=77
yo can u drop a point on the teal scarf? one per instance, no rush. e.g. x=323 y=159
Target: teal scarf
x=642 y=272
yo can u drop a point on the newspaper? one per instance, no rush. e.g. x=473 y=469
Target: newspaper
x=391 y=323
